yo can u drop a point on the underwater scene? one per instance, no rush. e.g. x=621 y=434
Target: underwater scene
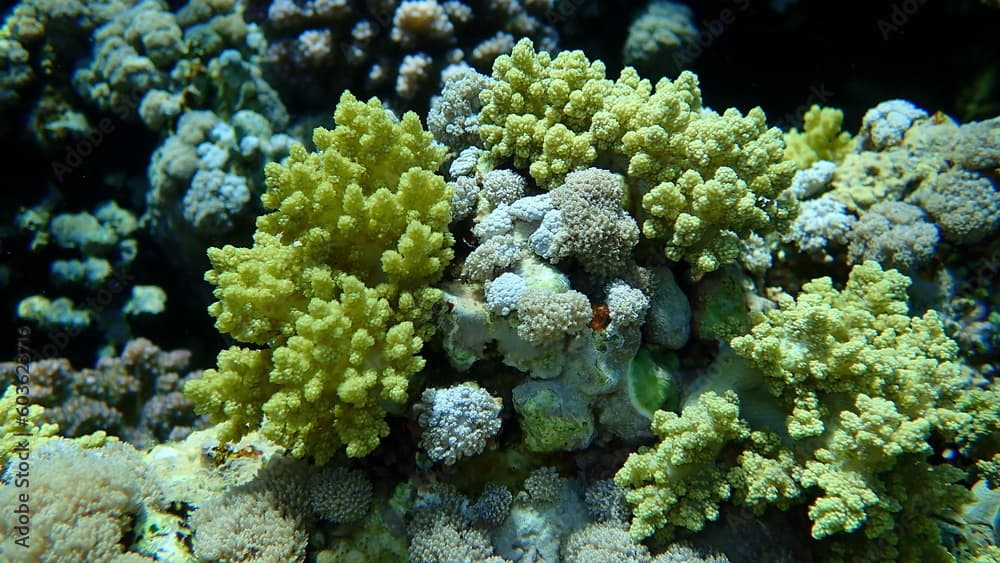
x=500 y=281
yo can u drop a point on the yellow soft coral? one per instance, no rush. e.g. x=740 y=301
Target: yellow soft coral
x=820 y=139
x=707 y=181
x=335 y=291
x=21 y=425
x=712 y=179
x=858 y=340
x=867 y=384
x=678 y=482
x=539 y=109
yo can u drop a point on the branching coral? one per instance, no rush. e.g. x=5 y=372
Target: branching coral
x=136 y=396
x=853 y=368
x=335 y=292
x=820 y=138
x=707 y=180
x=677 y=481
x=861 y=386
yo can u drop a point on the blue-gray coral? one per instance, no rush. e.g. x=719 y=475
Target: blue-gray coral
x=493 y=505
x=457 y=421
x=885 y=124
x=339 y=495
x=965 y=205
x=594 y=228
x=206 y=179
x=895 y=234
x=87 y=287
x=822 y=226
x=372 y=41
x=136 y=396
x=662 y=41
x=454 y=114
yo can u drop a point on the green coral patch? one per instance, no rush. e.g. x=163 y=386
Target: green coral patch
x=652 y=383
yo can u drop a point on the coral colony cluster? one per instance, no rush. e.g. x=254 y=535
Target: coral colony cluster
x=512 y=303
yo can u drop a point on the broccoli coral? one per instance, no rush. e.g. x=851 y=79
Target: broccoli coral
x=820 y=139
x=853 y=368
x=677 y=482
x=859 y=340
x=862 y=386
x=538 y=110
x=334 y=294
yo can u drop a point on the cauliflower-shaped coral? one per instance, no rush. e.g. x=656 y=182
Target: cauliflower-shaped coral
x=453 y=117
x=704 y=214
x=823 y=224
x=662 y=39
x=871 y=436
x=595 y=229
x=458 y=421
x=963 y=204
x=546 y=315
x=885 y=124
x=895 y=234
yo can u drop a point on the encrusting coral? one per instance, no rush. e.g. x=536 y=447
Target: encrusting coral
x=334 y=296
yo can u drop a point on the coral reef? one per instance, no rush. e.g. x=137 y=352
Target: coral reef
x=457 y=421
x=86 y=518
x=599 y=309
x=660 y=39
